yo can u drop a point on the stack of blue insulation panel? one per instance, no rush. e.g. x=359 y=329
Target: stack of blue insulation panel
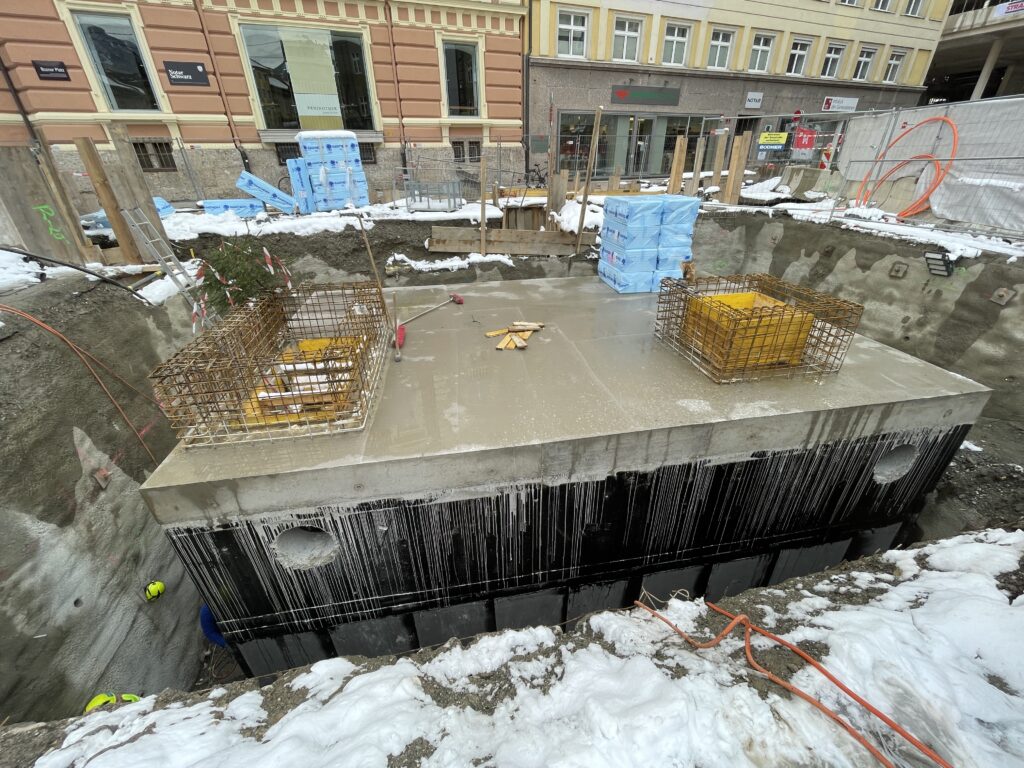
x=644 y=238
x=329 y=175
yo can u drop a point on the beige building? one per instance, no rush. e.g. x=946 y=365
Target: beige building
x=207 y=87
x=662 y=69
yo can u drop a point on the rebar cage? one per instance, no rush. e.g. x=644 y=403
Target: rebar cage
x=298 y=362
x=745 y=327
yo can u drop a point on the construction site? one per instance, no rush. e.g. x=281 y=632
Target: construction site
x=565 y=447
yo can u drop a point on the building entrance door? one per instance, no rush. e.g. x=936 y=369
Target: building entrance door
x=641 y=153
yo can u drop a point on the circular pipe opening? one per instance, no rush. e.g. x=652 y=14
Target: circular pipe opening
x=305 y=546
x=894 y=464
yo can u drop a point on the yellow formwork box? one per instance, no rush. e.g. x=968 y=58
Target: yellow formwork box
x=747 y=331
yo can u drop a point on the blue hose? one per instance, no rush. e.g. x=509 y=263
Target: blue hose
x=209 y=624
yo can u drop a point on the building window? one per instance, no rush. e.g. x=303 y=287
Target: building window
x=862 y=69
x=761 y=53
x=460 y=75
x=848 y=2
x=368 y=154
x=892 y=69
x=114 y=52
x=466 y=151
x=155 y=155
x=718 y=53
x=882 y=5
x=572 y=34
x=286 y=152
x=309 y=78
x=459 y=151
x=833 y=59
x=676 y=38
x=798 y=57
x=626 y=42
x=913 y=8
x=473 y=151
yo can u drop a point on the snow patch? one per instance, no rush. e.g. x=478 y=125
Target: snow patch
x=452 y=263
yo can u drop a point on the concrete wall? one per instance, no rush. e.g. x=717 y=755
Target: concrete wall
x=78 y=545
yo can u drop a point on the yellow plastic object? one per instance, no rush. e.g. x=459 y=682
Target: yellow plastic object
x=154 y=589
x=740 y=332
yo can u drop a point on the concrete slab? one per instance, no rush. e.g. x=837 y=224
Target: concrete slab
x=594 y=393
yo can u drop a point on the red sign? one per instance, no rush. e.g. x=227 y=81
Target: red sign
x=804 y=138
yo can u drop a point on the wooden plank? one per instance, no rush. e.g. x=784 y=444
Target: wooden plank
x=737 y=164
x=483 y=206
x=595 y=137
x=108 y=200
x=698 y=166
x=520 y=343
x=675 y=174
x=517 y=242
x=716 y=169
x=614 y=180
x=504 y=341
x=499 y=332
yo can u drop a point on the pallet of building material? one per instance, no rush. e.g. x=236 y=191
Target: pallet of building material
x=242 y=207
x=268 y=193
x=515 y=242
x=302 y=189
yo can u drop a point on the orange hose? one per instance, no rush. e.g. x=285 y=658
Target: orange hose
x=741 y=619
x=920 y=203
x=82 y=356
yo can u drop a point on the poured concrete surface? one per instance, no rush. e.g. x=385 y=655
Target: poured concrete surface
x=594 y=393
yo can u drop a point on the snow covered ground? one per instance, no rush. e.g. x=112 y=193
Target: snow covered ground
x=188 y=226
x=930 y=636
x=17 y=272
x=452 y=263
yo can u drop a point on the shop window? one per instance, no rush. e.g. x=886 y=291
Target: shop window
x=309 y=78
x=155 y=155
x=114 y=52
x=572 y=34
x=676 y=38
x=461 y=79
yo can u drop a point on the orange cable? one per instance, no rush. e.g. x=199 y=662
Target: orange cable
x=74 y=348
x=742 y=619
x=923 y=748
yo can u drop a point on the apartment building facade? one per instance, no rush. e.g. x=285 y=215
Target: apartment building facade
x=207 y=87
x=665 y=68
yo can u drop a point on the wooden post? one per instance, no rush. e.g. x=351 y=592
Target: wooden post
x=483 y=206
x=698 y=167
x=552 y=162
x=614 y=180
x=675 y=174
x=737 y=164
x=108 y=200
x=591 y=158
x=716 y=170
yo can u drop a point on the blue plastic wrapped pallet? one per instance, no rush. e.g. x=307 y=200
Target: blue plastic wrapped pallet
x=302 y=190
x=635 y=210
x=630 y=236
x=320 y=144
x=268 y=193
x=660 y=274
x=624 y=282
x=629 y=260
x=679 y=214
x=673 y=249
x=243 y=207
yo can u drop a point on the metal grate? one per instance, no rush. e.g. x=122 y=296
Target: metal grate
x=745 y=327
x=306 y=361
x=155 y=154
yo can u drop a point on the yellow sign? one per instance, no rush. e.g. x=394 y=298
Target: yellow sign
x=775 y=139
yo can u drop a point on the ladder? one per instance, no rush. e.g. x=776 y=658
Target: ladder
x=159 y=250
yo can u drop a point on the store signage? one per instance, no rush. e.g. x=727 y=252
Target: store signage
x=804 y=138
x=772 y=141
x=754 y=100
x=652 y=95
x=839 y=104
x=51 y=70
x=317 y=105
x=186 y=73
x=1008 y=9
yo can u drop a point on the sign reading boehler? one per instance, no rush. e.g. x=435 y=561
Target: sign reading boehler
x=652 y=95
x=51 y=70
x=773 y=141
x=186 y=73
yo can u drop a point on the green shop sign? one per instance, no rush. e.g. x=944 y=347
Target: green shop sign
x=652 y=95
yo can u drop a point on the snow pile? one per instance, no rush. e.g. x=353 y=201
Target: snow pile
x=568 y=219
x=16 y=271
x=159 y=291
x=766 y=191
x=935 y=647
x=452 y=263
